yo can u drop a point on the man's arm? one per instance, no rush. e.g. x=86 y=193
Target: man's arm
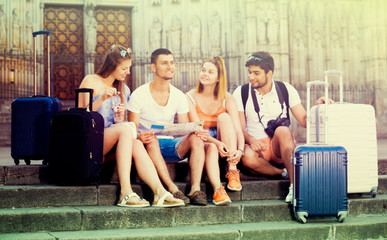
x=135 y=118
x=146 y=136
x=254 y=144
x=321 y=100
x=299 y=113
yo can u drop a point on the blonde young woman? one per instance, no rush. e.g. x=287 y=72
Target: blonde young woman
x=106 y=83
x=210 y=102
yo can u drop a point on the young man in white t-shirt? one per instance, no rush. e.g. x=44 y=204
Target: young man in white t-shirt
x=263 y=143
x=158 y=102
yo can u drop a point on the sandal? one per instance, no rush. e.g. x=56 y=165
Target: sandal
x=163 y=202
x=125 y=202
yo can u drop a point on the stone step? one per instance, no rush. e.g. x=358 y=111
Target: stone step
x=382 y=166
x=362 y=227
x=24 y=196
x=88 y=218
x=36 y=173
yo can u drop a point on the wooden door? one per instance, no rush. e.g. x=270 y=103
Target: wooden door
x=66 y=26
x=114 y=27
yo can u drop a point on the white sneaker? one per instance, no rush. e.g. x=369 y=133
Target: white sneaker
x=285 y=174
x=289 y=197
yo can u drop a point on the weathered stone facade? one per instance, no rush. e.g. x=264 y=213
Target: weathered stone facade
x=305 y=37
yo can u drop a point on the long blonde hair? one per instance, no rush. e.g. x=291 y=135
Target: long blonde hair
x=221 y=86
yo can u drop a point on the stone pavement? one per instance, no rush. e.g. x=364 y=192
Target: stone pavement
x=6 y=159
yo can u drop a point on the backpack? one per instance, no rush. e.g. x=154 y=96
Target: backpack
x=282 y=93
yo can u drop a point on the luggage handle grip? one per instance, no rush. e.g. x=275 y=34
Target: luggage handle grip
x=84 y=90
x=82 y=109
x=39 y=95
x=340 y=73
x=316 y=82
x=46 y=32
x=34 y=34
x=308 y=120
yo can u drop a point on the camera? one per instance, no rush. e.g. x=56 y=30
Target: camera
x=273 y=124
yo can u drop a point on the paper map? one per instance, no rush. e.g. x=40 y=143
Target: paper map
x=177 y=129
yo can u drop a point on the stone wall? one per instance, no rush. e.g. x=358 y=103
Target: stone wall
x=305 y=37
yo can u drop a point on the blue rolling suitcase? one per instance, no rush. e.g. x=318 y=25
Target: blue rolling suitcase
x=31 y=118
x=320 y=176
x=76 y=144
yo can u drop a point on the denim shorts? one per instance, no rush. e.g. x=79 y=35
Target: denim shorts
x=213 y=132
x=168 y=148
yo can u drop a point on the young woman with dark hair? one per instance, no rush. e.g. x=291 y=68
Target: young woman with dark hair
x=106 y=83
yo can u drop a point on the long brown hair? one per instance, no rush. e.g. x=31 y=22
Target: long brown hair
x=221 y=86
x=116 y=55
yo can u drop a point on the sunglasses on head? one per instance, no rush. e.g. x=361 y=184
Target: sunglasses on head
x=122 y=52
x=259 y=59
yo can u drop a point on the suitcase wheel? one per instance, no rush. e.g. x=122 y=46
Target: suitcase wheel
x=16 y=161
x=28 y=161
x=373 y=193
x=301 y=216
x=45 y=161
x=341 y=216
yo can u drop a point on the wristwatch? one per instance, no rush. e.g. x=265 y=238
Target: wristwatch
x=243 y=153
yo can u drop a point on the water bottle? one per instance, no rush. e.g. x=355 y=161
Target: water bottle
x=118 y=116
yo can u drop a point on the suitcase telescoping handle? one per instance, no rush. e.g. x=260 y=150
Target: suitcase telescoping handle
x=340 y=74
x=84 y=90
x=34 y=34
x=308 y=120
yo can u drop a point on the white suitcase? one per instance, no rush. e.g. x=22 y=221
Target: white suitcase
x=352 y=126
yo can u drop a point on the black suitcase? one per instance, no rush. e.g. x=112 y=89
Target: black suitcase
x=31 y=118
x=76 y=144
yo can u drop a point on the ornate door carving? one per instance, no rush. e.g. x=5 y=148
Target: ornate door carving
x=66 y=26
x=114 y=27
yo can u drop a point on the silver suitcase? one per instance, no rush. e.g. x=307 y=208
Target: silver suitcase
x=352 y=126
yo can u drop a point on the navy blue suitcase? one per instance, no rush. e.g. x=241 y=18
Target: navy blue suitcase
x=30 y=127
x=30 y=122
x=320 y=176
x=320 y=182
x=76 y=144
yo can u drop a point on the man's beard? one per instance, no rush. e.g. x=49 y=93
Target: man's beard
x=166 y=78
x=261 y=85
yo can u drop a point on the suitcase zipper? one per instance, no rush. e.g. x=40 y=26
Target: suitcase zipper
x=91 y=143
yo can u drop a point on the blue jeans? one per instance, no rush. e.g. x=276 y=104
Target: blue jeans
x=213 y=132
x=168 y=148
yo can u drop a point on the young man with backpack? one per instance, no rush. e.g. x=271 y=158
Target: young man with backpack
x=264 y=106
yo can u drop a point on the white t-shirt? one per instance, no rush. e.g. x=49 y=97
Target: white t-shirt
x=142 y=102
x=269 y=105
